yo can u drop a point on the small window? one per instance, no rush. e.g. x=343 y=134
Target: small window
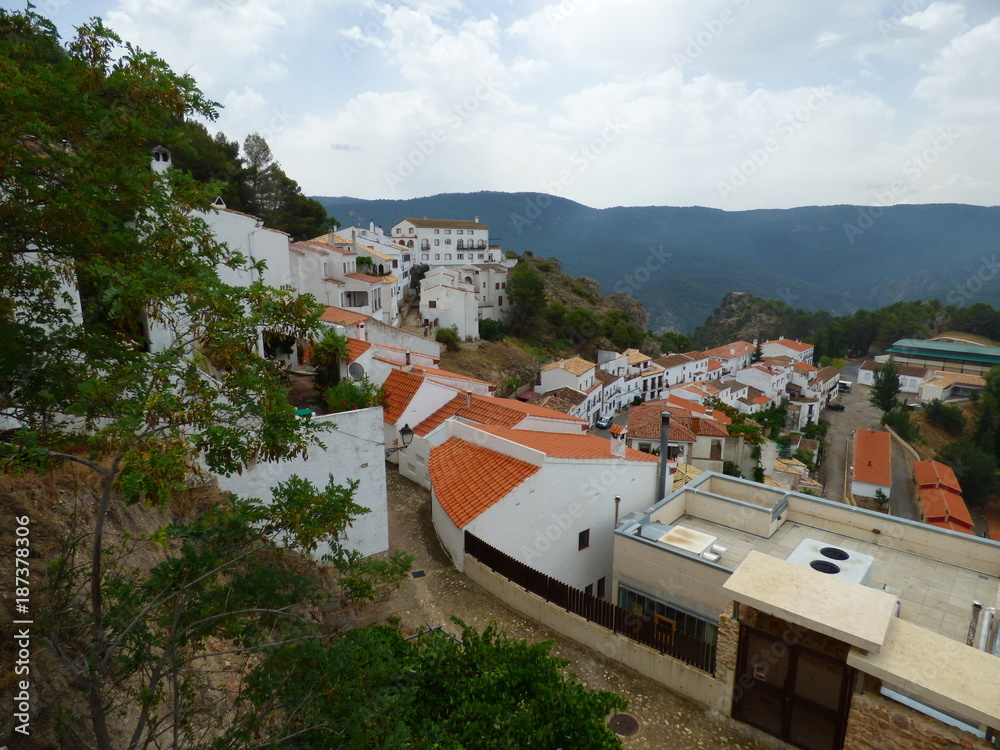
x=447 y=231
x=589 y=589
x=498 y=285
x=425 y=256
x=437 y=231
x=458 y=231
x=500 y=301
x=583 y=541
x=432 y=303
x=602 y=587
x=461 y=256
x=447 y=256
x=448 y=241
x=437 y=242
x=437 y=256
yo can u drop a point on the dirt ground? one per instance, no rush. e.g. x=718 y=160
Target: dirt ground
x=665 y=719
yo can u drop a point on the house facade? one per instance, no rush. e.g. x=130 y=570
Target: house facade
x=446 y=242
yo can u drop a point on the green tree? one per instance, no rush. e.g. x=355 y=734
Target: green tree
x=478 y=691
x=758 y=352
x=974 y=468
x=526 y=291
x=327 y=354
x=885 y=388
x=348 y=395
x=948 y=416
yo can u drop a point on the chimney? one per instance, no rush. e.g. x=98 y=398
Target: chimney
x=362 y=335
x=477 y=219
x=407 y=356
x=664 y=449
x=468 y=399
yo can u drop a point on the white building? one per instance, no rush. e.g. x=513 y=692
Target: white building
x=871 y=464
x=353 y=450
x=796 y=350
x=911 y=377
x=330 y=274
x=732 y=356
x=548 y=500
x=769 y=379
x=447 y=300
x=446 y=242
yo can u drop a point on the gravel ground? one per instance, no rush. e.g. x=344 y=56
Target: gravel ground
x=665 y=720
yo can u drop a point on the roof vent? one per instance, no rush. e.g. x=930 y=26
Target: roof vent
x=832 y=560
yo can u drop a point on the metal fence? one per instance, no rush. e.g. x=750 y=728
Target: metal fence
x=643 y=629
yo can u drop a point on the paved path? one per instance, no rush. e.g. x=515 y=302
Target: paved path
x=858 y=412
x=904 y=492
x=666 y=720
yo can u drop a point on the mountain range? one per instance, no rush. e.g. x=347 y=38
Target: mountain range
x=681 y=261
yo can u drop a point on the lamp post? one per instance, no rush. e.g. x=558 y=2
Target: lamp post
x=405 y=437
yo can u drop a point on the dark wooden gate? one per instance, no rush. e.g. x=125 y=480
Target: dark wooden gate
x=791 y=691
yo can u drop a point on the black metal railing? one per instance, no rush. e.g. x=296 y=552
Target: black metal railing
x=643 y=629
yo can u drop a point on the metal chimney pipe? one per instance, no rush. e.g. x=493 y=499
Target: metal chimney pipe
x=977 y=608
x=993 y=642
x=985 y=624
x=664 y=449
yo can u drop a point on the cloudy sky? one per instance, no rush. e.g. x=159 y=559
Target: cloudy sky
x=734 y=104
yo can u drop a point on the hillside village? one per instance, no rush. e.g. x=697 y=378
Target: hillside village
x=612 y=477
x=570 y=478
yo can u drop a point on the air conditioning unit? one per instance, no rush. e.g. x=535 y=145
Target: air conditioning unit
x=833 y=560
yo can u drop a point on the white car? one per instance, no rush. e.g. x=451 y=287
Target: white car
x=603 y=423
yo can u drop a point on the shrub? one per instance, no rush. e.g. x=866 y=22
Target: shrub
x=899 y=420
x=448 y=337
x=491 y=330
x=947 y=416
x=349 y=395
x=731 y=468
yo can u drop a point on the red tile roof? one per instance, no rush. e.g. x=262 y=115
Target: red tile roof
x=935 y=474
x=355 y=348
x=454 y=375
x=364 y=277
x=730 y=350
x=504 y=412
x=342 y=316
x=945 y=509
x=561 y=445
x=644 y=423
x=400 y=387
x=873 y=457
x=468 y=479
x=797 y=346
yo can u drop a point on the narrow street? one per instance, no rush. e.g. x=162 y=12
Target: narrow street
x=438 y=591
x=858 y=412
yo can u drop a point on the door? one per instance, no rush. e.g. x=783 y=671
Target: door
x=790 y=691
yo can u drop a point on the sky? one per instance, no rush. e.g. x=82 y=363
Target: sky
x=732 y=104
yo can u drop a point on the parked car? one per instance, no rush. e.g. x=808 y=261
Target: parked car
x=603 y=423
x=836 y=407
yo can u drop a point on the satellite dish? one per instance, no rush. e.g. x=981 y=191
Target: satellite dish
x=356 y=371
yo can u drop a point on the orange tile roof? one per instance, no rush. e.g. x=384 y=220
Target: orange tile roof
x=356 y=347
x=504 y=412
x=761 y=400
x=446 y=374
x=935 y=474
x=400 y=387
x=644 y=422
x=468 y=479
x=342 y=316
x=616 y=429
x=453 y=223
x=730 y=350
x=635 y=356
x=698 y=409
x=364 y=277
x=873 y=457
x=797 y=346
x=575 y=365
x=561 y=445
x=805 y=367
x=946 y=509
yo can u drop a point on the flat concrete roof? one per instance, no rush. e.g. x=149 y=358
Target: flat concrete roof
x=937 y=670
x=840 y=609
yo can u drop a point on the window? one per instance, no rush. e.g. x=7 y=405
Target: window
x=437 y=242
x=602 y=587
x=498 y=285
x=437 y=231
x=589 y=589
x=437 y=256
x=503 y=284
x=480 y=256
x=399 y=230
x=583 y=541
x=432 y=303
x=458 y=231
x=461 y=256
x=425 y=256
x=447 y=231
x=499 y=301
x=448 y=241
x=447 y=256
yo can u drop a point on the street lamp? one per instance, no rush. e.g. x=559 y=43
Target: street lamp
x=405 y=437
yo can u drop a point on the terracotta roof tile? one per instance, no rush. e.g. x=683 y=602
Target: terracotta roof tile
x=797 y=346
x=364 y=277
x=644 y=422
x=635 y=356
x=342 y=316
x=730 y=350
x=468 y=479
x=575 y=365
x=504 y=412
x=873 y=457
x=443 y=223
x=935 y=474
x=438 y=372
x=912 y=371
x=945 y=508
x=673 y=360
x=400 y=388
x=356 y=347
x=561 y=445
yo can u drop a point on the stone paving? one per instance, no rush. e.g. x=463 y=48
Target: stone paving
x=665 y=720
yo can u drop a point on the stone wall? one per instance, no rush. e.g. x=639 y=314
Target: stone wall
x=726 y=646
x=877 y=723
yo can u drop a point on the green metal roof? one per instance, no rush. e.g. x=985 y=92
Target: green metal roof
x=946 y=350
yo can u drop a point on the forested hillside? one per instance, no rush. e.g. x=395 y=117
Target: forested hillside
x=680 y=262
